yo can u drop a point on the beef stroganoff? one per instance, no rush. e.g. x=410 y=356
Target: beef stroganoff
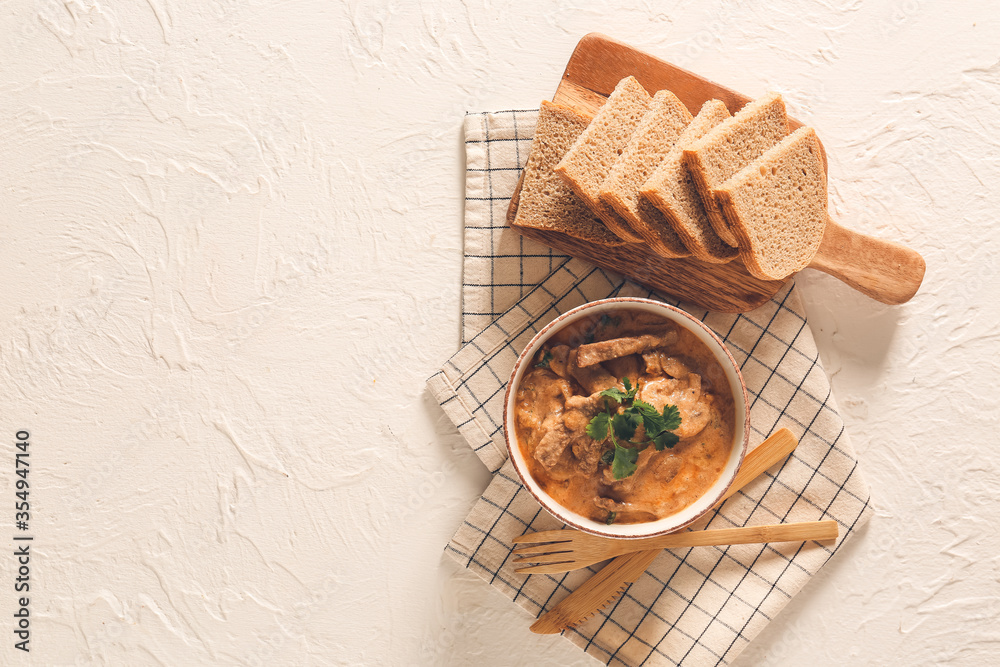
x=597 y=417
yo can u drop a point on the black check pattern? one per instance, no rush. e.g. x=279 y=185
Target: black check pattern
x=694 y=606
x=501 y=266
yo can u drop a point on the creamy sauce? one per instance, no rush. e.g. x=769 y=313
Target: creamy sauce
x=560 y=395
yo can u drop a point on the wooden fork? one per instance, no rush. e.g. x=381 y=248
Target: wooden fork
x=557 y=551
x=603 y=587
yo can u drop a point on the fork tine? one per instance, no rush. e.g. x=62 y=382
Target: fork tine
x=542 y=549
x=545 y=536
x=555 y=568
x=557 y=557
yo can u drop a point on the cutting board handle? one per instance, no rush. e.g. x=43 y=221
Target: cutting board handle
x=885 y=271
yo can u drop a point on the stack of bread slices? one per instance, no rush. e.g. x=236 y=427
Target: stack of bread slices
x=713 y=187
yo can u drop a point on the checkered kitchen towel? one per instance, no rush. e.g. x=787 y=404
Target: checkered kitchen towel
x=698 y=606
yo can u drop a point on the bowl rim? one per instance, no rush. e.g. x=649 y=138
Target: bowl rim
x=554 y=508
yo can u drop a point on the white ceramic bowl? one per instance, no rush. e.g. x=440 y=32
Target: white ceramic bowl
x=692 y=512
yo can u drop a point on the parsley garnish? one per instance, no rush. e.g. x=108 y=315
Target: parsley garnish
x=623 y=425
x=544 y=361
x=608 y=321
x=611 y=518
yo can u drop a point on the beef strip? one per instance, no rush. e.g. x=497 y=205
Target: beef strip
x=655 y=469
x=660 y=362
x=588 y=455
x=588 y=405
x=579 y=411
x=625 y=367
x=556 y=438
x=612 y=505
x=651 y=465
x=541 y=394
x=593 y=378
x=558 y=362
x=595 y=353
x=566 y=430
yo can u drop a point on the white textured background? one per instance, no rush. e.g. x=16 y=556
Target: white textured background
x=230 y=254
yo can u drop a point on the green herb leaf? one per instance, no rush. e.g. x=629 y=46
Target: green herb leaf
x=644 y=407
x=665 y=440
x=544 y=361
x=608 y=321
x=672 y=417
x=626 y=423
x=619 y=395
x=654 y=425
x=598 y=426
x=629 y=389
x=615 y=394
x=624 y=463
x=623 y=425
x=611 y=518
x=660 y=423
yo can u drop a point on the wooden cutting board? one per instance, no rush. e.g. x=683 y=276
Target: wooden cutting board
x=885 y=271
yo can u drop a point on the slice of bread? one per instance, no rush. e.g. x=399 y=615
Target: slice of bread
x=731 y=146
x=672 y=191
x=546 y=202
x=652 y=140
x=778 y=206
x=589 y=161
